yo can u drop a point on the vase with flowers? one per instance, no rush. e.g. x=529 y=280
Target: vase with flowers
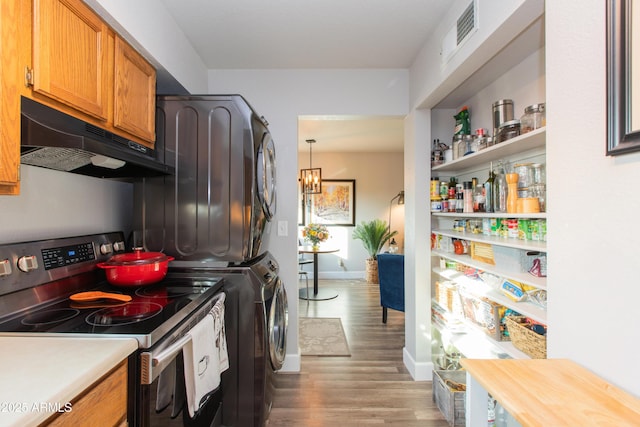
x=315 y=233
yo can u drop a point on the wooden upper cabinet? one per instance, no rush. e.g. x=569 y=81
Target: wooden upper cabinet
x=134 y=92
x=70 y=55
x=9 y=112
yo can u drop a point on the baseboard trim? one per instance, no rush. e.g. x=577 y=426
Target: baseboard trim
x=422 y=371
x=291 y=362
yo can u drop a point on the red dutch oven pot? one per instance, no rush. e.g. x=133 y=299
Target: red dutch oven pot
x=137 y=268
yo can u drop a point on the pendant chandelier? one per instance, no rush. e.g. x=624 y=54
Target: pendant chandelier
x=311 y=178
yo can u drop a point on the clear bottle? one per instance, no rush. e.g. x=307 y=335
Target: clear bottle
x=488 y=191
x=500 y=190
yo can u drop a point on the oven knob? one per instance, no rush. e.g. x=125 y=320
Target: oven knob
x=106 y=248
x=118 y=246
x=27 y=263
x=5 y=267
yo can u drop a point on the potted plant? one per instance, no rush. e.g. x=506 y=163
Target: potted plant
x=374 y=234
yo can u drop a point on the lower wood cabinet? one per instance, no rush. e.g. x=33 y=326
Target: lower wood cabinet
x=102 y=404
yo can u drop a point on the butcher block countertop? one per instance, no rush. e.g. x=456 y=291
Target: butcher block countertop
x=554 y=392
x=40 y=374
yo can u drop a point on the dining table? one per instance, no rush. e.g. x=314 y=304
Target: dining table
x=318 y=294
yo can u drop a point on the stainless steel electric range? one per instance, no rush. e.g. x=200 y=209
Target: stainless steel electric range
x=37 y=278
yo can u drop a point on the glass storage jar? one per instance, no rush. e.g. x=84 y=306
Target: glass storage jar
x=534 y=117
x=508 y=130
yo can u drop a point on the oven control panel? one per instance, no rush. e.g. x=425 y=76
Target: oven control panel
x=67 y=255
x=29 y=264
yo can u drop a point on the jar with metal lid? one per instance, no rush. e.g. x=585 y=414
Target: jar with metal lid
x=508 y=130
x=455 y=147
x=525 y=174
x=534 y=117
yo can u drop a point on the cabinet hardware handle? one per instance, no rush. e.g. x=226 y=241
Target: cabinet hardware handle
x=28 y=76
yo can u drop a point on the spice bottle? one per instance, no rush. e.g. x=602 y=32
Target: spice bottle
x=468 y=197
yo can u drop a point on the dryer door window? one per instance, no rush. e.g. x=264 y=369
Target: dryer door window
x=266 y=175
x=278 y=322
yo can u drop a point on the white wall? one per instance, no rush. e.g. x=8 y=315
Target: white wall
x=283 y=95
x=147 y=25
x=61 y=204
x=593 y=269
x=379 y=178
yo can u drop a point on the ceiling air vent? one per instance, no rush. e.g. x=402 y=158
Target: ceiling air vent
x=465 y=25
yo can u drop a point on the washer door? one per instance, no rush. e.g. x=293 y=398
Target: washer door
x=277 y=328
x=266 y=175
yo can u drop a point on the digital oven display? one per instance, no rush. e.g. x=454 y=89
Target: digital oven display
x=67 y=255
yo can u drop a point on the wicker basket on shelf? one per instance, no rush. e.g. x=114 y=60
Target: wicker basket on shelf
x=526 y=340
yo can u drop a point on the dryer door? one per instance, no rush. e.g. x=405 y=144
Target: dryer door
x=266 y=175
x=278 y=323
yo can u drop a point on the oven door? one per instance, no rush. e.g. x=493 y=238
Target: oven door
x=163 y=402
x=159 y=390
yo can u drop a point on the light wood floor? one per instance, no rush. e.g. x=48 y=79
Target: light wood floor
x=372 y=387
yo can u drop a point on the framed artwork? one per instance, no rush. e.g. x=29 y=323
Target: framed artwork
x=336 y=205
x=623 y=77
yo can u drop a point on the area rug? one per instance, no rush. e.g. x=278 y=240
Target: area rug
x=322 y=336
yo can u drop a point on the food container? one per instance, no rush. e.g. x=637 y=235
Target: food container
x=502 y=112
x=137 y=268
x=534 y=117
x=508 y=130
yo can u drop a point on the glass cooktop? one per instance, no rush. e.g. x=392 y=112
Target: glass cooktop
x=153 y=311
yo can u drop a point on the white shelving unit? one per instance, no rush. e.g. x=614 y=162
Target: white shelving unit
x=467 y=338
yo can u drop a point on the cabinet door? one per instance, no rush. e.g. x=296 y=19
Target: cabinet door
x=9 y=113
x=134 y=92
x=70 y=59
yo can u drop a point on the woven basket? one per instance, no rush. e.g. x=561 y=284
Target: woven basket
x=371 y=272
x=524 y=339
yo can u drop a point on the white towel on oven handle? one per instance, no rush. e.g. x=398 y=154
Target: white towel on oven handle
x=217 y=312
x=201 y=372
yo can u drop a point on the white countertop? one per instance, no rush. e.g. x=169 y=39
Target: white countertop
x=38 y=374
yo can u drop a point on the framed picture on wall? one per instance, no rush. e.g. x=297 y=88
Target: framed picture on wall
x=336 y=205
x=623 y=78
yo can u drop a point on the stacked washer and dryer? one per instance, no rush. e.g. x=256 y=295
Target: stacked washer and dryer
x=212 y=215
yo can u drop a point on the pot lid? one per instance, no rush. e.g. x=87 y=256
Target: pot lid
x=137 y=257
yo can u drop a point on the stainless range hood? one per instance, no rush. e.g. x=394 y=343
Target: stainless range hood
x=55 y=140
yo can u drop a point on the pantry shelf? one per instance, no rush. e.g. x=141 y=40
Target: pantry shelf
x=474 y=344
x=522 y=277
x=517 y=145
x=527 y=245
x=480 y=289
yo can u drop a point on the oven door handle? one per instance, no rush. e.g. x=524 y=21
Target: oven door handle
x=152 y=364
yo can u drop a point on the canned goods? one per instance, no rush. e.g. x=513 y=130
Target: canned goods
x=524 y=229
x=512 y=228
x=486 y=226
x=495 y=226
x=436 y=206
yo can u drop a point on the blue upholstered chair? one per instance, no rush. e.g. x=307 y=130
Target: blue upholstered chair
x=391 y=277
